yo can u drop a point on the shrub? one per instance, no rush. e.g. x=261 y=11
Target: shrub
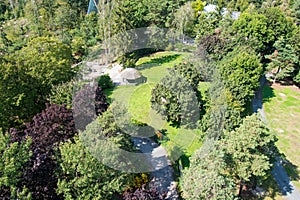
x=105 y=82
x=62 y=94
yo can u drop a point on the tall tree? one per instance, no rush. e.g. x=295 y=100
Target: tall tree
x=47 y=129
x=207 y=178
x=176 y=99
x=284 y=60
x=28 y=75
x=82 y=173
x=240 y=72
x=249 y=151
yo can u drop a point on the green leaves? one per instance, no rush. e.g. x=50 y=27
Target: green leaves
x=207 y=177
x=177 y=97
x=27 y=76
x=82 y=176
x=13 y=158
x=250 y=148
x=240 y=72
x=284 y=60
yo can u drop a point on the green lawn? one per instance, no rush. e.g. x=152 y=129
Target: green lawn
x=282 y=108
x=137 y=100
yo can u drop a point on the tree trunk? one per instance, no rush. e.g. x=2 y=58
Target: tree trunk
x=278 y=70
x=241 y=188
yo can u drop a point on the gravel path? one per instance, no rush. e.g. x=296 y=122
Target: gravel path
x=286 y=186
x=162 y=176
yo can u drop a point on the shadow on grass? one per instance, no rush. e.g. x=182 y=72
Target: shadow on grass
x=267 y=93
x=160 y=60
x=291 y=169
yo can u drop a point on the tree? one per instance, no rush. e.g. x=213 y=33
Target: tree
x=261 y=29
x=240 y=72
x=184 y=19
x=250 y=151
x=87 y=103
x=253 y=26
x=206 y=178
x=27 y=76
x=50 y=127
x=284 y=60
x=278 y=24
x=13 y=159
x=175 y=99
x=82 y=174
x=143 y=193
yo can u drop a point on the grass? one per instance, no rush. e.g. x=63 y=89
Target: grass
x=137 y=100
x=154 y=67
x=282 y=108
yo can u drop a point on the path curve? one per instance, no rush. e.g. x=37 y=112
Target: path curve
x=287 y=188
x=162 y=177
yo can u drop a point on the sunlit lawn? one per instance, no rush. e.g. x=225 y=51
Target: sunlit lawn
x=282 y=108
x=137 y=100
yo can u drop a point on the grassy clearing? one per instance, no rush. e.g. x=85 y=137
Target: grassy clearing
x=137 y=100
x=282 y=108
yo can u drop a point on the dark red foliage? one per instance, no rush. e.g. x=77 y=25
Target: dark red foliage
x=143 y=193
x=50 y=127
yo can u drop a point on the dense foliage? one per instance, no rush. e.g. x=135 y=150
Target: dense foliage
x=105 y=82
x=14 y=157
x=50 y=127
x=87 y=103
x=211 y=180
x=250 y=151
x=44 y=156
x=28 y=75
x=85 y=177
x=143 y=193
x=176 y=99
x=240 y=72
x=84 y=172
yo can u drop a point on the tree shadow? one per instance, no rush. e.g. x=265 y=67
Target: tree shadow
x=291 y=169
x=267 y=93
x=154 y=61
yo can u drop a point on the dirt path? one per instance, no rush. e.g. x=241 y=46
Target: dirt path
x=287 y=188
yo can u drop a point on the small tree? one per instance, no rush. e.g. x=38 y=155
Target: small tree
x=175 y=99
x=143 y=193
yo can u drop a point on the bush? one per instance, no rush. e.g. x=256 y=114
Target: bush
x=105 y=82
x=62 y=94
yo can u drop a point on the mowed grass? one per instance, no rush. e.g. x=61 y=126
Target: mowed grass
x=137 y=100
x=282 y=108
x=154 y=67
